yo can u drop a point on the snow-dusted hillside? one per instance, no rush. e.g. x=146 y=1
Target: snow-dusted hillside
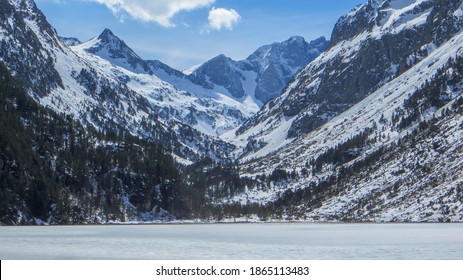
x=376 y=111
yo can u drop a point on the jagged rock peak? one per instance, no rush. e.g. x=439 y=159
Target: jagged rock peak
x=294 y=48
x=107 y=34
x=220 y=57
x=108 y=38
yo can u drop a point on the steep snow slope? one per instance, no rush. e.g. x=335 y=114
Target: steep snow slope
x=19 y=46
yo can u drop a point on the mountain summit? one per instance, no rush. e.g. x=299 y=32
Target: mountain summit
x=110 y=47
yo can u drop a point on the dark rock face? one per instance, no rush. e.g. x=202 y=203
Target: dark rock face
x=277 y=64
x=221 y=71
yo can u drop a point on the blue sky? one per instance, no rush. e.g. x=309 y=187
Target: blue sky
x=183 y=33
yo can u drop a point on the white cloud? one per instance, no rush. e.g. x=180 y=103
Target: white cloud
x=222 y=18
x=159 y=11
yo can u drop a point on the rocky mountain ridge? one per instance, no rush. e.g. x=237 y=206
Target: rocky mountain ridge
x=262 y=75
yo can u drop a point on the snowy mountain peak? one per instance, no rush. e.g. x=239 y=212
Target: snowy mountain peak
x=291 y=51
x=276 y=64
x=115 y=46
x=110 y=47
x=220 y=58
x=222 y=71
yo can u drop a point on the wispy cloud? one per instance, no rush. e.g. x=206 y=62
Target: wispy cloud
x=53 y=1
x=159 y=11
x=223 y=18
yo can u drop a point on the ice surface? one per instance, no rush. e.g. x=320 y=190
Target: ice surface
x=235 y=241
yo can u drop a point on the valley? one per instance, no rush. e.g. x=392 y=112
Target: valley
x=364 y=126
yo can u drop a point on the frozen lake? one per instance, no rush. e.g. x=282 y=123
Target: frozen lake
x=235 y=241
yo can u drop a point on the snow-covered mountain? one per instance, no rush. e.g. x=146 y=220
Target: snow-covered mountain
x=251 y=82
x=277 y=64
x=93 y=82
x=369 y=131
x=371 y=46
x=210 y=112
x=263 y=75
x=113 y=49
x=78 y=78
